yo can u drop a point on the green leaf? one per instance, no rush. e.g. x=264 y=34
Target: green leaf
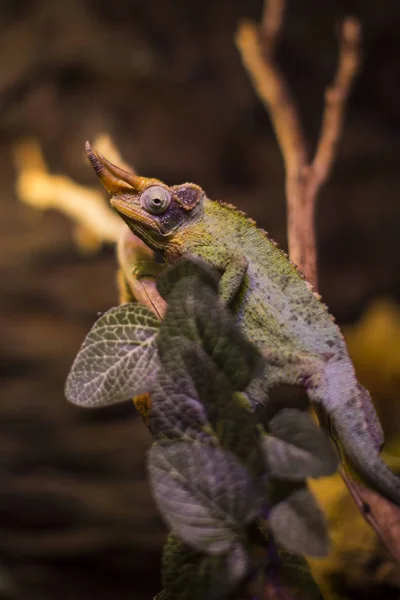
x=199 y=339
x=228 y=412
x=176 y=411
x=195 y=313
x=190 y=575
x=118 y=358
x=189 y=266
x=204 y=494
x=296 y=576
x=297 y=448
x=298 y=524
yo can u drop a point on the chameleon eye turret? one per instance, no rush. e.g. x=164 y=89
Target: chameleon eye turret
x=156 y=199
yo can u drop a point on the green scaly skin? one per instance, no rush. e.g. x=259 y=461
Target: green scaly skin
x=274 y=305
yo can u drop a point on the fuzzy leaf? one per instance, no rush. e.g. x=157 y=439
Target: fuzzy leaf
x=118 y=358
x=228 y=412
x=199 y=339
x=176 y=412
x=298 y=524
x=195 y=313
x=204 y=494
x=189 y=266
x=191 y=575
x=297 y=448
x=296 y=576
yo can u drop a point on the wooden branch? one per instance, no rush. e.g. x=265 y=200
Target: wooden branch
x=379 y=513
x=304 y=179
x=131 y=249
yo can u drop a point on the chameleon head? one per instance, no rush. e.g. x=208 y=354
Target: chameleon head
x=152 y=210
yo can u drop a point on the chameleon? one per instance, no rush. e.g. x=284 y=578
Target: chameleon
x=272 y=302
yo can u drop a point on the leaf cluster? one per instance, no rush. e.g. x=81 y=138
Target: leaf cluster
x=232 y=488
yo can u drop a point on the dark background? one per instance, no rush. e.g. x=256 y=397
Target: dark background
x=164 y=78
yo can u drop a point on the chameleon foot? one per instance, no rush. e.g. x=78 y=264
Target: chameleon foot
x=147 y=268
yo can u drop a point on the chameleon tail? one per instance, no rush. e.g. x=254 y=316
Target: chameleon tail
x=361 y=451
x=356 y=426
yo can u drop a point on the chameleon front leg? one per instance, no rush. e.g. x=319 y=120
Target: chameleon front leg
x=233 y=266
x=146 y=268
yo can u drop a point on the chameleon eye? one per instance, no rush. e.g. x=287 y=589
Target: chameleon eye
x=155 y=199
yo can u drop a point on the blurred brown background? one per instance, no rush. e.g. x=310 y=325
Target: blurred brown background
x=164 y=78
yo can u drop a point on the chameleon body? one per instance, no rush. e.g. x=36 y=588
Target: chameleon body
x=274 y=305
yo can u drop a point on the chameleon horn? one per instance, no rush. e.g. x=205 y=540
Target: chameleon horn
x=114 y=179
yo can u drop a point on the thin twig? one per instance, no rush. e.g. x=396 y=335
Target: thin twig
x=257 y=45
x=379 y=513
x=272 y=21
x=131 y=250
x=335 y=102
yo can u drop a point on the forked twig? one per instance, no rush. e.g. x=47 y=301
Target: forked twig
x=257 y=45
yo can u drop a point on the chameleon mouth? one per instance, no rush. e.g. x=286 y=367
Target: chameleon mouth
x=134 y=214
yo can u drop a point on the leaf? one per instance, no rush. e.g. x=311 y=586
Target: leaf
x=297 y=448
x=188 y=266
x=228 y=412
x=296 y=576
x=118 y=358
x=199 y=339
x=204 y=494
x=190 y=575
x=298 y=524
x=196 y=313
x=176 y=411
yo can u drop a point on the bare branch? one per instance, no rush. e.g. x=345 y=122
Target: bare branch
x=272 y=21
x=382 y=515
x=257 y=45
x=335 y=101
x=131 y=250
